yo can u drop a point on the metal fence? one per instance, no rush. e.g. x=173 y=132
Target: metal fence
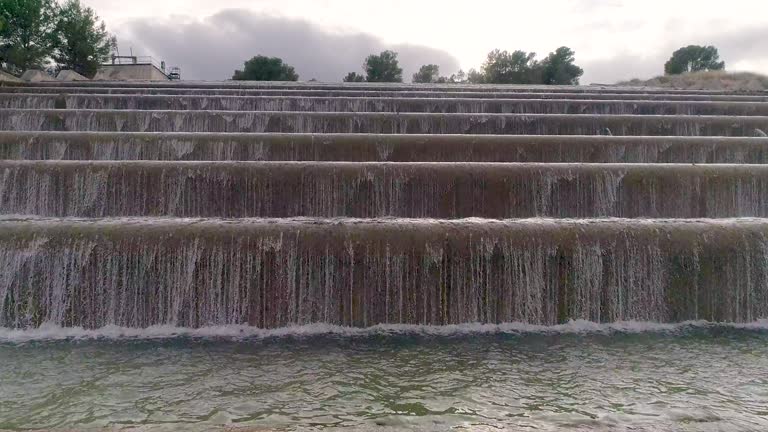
x=138 y=60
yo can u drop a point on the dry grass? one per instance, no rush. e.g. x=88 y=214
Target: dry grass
x=713 y=80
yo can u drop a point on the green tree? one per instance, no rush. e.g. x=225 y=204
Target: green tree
x=354 y=77
x=694 y=58
x=519 y=67
x=559 y=68
x=3 y=30
x=26 y=33
x=458 y=78
x=82 y=43
x=262 y=68
x=428 y=74
x=383 y=68
x=475 y=77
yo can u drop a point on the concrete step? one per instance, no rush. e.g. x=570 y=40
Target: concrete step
x=372 y=190
x=377 y=123
x=419 y=105
x=378 y=148
x=242 y=85
x=735 y=97
x=279 y=272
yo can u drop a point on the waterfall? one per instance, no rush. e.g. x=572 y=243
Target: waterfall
x=409 y=93
x=379 y=148
x=371 y=190
x=272 y=273
x=153 y=86
x=383 y=104
x=375 y=123
x=135 y=204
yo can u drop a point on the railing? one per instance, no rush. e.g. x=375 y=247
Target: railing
x=138 y=60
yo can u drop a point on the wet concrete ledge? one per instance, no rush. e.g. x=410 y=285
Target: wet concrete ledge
x=414 y=93
x=378 y=148
x=382 y=104
x=378 y=123
x=192 y=273
x=382 y=87
x=371 y=190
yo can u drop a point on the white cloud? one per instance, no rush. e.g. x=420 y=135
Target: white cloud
x=618 y=38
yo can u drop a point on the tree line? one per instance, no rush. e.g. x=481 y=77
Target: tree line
x=500 y=67
x=41 y=34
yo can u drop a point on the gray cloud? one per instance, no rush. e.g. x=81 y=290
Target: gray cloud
x=623 y=68
x=213 y=48
x=746 y=45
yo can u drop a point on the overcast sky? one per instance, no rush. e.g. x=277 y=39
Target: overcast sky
x=613 y=39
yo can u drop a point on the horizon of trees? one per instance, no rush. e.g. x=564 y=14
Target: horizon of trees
x=520 y=67
x=41 y=34
x=500 y=67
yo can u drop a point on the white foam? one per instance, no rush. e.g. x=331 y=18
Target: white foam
x=53 y=333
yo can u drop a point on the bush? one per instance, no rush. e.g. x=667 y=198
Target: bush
x=262 y=68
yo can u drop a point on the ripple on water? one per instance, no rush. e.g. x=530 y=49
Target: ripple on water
x=579 y=376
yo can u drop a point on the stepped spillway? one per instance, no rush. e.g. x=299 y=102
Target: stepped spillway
x=363 y=93
x=273 y=273
x=380 y=104
x=276 y=204
x=371 y=190
x=376 y=123
x=378 y=148
x=379 y=87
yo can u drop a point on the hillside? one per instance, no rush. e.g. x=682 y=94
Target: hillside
x=713 y=80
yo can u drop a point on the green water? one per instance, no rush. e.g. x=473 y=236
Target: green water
x=686 y=378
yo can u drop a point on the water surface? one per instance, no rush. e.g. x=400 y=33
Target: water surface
x=691 y=377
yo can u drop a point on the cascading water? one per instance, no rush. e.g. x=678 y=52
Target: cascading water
x=379 y=148
x=278 y=272
x=376 y=123
x=362 y=272
x=453 y=93
x=343 y=189
x=384 y=104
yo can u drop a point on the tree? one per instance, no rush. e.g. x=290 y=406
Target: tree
x=262 y=68
x=694 y=58
x=559 y=68
x=475 y=77
x=428 y=74
x=519 y=67
x=81 y=42
x=3 y=31
x=458 y=78
x=383 y=68
x=26 y=33
x=354 y=77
